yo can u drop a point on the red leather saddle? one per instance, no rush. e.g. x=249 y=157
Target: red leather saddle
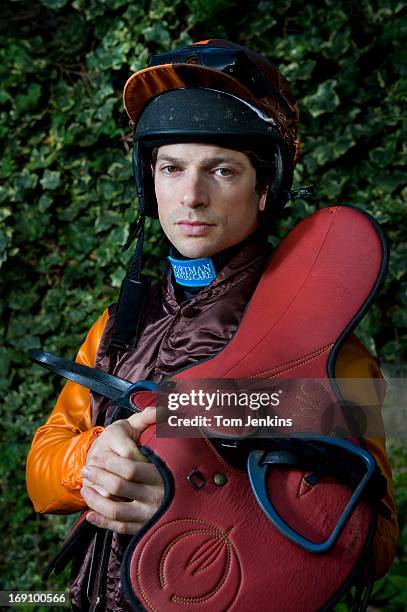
x=212 y=547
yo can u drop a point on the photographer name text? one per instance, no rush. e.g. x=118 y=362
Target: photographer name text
x=221 y=421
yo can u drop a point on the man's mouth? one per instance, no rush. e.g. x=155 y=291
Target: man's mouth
x=194 y=228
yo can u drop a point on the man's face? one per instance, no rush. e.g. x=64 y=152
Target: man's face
x=206 y=196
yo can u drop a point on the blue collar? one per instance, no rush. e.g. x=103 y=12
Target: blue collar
x=193 y=272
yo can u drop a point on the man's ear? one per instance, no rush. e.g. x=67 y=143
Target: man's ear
x=262 y=200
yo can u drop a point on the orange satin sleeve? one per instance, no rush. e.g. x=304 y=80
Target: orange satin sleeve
x=59 y=448
x=354 y=361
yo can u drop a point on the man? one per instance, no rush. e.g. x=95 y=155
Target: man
x=214 y=151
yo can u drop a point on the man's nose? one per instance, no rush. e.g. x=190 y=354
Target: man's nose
x=195 y=191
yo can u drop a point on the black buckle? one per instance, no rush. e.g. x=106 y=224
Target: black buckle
x=196 y=479
x=301 y=194
x=134 y=231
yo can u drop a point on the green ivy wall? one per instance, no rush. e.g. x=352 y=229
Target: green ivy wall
x=67 y=198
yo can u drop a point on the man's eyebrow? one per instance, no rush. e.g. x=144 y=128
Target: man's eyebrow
x=168 y=158
x=215 y=161
x=207 y=162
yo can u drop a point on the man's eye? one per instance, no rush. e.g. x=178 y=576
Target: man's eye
x=224 y=172
x=169 y=169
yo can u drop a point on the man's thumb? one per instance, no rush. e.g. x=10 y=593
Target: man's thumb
x=141 y=420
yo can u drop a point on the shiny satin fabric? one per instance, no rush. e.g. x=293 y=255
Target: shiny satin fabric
x=59 y=447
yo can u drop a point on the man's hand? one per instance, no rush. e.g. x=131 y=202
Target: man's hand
x=121 y=487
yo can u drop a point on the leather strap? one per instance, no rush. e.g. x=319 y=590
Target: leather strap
x=109 y=386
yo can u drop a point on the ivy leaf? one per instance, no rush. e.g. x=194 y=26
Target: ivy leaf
x=324 y=100
x=25 y=180
x=5 y=240
x=4 y=213
x=54 y=4
x=383 y=156
x=51 y=180
x=157 y=33
x=25 y=102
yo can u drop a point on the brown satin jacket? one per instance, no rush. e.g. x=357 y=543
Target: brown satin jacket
x=173 y=335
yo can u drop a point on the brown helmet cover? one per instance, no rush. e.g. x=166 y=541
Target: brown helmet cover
x=150 y=82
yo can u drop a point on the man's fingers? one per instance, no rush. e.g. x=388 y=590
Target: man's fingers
x=121 y=440
x=121 y=437
x=128 y=469
x=100 y=489
x=111 y=485
x=98 y=458
x=116 y=526
x=116 y=511
x=115 y=471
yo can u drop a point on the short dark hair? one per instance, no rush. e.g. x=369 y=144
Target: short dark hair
x=262 y=166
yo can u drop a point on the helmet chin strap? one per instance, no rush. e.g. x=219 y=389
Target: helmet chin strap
x=135 y=287
x=133 y=294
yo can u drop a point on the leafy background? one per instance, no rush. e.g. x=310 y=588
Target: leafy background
x=67 y=198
